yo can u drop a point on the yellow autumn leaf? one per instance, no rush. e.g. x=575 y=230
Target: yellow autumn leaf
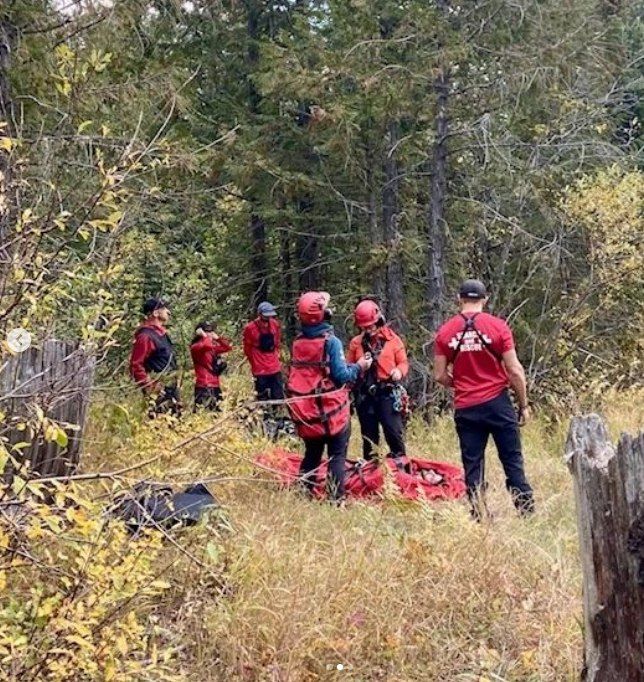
x=121 y=644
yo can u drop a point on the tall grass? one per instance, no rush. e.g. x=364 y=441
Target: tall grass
x=377 y=591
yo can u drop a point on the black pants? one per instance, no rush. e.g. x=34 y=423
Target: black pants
x=474 y=425
x=208 y=398
x=375 y=411
x=167 y=402
x=269 y=387
x=337 y=453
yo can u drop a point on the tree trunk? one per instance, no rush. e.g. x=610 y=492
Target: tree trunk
x=378 y=276
x=288 y=294
x=436 y=297
x=258 y=260
x=308 y=249
x=257 y=226
x=8 y=200
x=609 y=491
x=394 y=293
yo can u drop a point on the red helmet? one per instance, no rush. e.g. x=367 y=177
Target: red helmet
x=311 y=306
x=367 y=313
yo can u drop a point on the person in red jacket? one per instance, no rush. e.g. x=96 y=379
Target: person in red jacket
x=153 y=362
x=379 y=396
x=261 y=338
x=474 y=354
x=206 y=350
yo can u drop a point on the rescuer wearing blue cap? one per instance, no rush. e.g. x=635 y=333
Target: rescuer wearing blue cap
x=262 y=338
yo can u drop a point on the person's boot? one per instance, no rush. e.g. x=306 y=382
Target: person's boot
x=524 y=502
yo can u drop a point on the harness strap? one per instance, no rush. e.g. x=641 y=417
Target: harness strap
x=324 y=417
x=310 y=363
x=470 y=326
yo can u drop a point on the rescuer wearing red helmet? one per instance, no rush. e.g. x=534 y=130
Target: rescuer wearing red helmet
x=376 y=395
x=318 y=396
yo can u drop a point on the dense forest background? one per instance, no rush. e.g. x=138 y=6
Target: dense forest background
x=224 y=152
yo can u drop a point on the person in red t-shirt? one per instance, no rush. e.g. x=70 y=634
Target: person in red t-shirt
x=206 y=350
x=261 y=338
x=474 y=354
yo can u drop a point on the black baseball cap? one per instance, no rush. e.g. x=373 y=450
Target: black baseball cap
x=472 y=289
x=206 y=326
x=153 y=304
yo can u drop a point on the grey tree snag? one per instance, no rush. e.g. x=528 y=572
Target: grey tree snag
x=394 y=291
x=58 y=378
x=8 y=200
x=609 y=492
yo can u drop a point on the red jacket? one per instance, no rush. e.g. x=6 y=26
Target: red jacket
x=262 y=363
x=203 y=353
x=142 y=348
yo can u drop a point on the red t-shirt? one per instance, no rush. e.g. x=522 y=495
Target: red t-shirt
x=203 y=353
x=262 y=362
x=478 y=374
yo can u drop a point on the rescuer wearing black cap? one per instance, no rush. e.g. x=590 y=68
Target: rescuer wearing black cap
x=474 y=354
x=153 y=361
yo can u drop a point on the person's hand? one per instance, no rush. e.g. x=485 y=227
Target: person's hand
x=200 y=332
x=525 y=414
x=396 y=374
x=365 y=362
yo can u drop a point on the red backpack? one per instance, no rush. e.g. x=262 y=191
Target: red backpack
x=317 y=407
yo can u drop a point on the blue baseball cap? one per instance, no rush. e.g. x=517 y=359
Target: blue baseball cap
x=266 y=309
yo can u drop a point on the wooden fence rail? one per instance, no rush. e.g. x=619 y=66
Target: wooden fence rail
x=57 y=377
x=609 y=491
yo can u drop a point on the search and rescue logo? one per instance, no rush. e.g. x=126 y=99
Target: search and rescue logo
x=18 y=340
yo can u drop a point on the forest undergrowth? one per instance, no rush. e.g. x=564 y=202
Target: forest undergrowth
x=274 y=587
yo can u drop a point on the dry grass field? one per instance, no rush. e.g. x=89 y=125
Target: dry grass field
x=279 y=588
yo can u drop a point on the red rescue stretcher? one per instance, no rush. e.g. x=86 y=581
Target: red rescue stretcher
x=415 y=478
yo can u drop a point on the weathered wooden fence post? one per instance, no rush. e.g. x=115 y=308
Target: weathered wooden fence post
x=57 y=378
x=609 y=491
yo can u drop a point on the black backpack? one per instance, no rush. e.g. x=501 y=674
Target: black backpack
x=153 y=505
x=219 y=365
x=266 y=340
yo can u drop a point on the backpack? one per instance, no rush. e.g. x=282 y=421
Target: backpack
x=266 y=340
x=219 y=365
x=154 y=505
x=318 y=408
